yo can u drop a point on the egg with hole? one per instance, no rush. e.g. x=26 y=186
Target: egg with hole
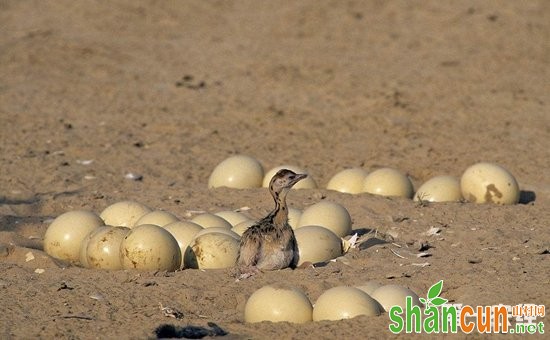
x=489 y=183
x=183 y=232
x=124 y=213
x=238 y=172
x=439 y=189
x=157 y=217
x=150 y=247
x=83 y=253
x=342 y=302
x=278 y=303
x=369 y=287
x=330 y=215
x=317 y=244
x=103 y=248
x=348 y=181
x=388 y=182
x=240 y=228
x=212 y=251
x=208 y=220
x=306 y=183
x=65 y=234
x=233 y=217
x=394 y=295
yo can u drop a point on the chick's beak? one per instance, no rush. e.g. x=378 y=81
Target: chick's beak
x=298 y=178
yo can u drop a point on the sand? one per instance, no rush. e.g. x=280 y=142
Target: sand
x=167 y=90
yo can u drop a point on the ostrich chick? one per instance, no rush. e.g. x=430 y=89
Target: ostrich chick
x=270 y=243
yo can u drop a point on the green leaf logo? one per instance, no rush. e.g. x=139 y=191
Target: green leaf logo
x=433 y=298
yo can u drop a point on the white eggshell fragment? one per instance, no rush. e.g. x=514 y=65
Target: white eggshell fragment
x=394 y=295
x=157 y=217
x=388 y=182
x=317 y=244
x=207 y=220
x=342 y=302
x=277 y=304
x=330 y=215
x=66 y=233
x=306 y=183
x=238 y=172
x=294 y=216
x=150 y=247
x=103 y=249
x=124 y=213
x=232 y=217
x=489 y=183
x=212 y=251
x=439 y=189
x=183 y=232
x=348 y=181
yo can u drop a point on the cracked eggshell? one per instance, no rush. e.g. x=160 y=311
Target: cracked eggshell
x=278 y=303
x=124 y=213
x=157 y=217
x=342 y=302
x=317 y=244
x=103 y=248
x=306 y=183
x=439 y=189
x=388 y=182
x=394 y=295
x=330 y=215
x=348 y=181
x=65 y=234
x=369 y=287
x=150 y=247
x=238 y=172
x=212 y=251
x=489 y=183
x=233 y=217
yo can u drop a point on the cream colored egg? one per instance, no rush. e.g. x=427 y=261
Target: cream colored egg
x=294 y=216
x=306 y=183
x=183 y=232
x=232 y=217
x=240 y=228
x=124 y=213
x=157 y=217
x=83 y=252
x=317 y=244
x=150 y=247
x=330 y=215
x=277 y=303
x=388 y=182
x=369 y=287
x=394 y=295
x=212 y=251
x=342 y=302
x=238 y=172
x=439 y=189
x=220 y=230
x=66 y=233
x=489 y=183
x=207 y=220
x=349 y=181
x=103 y=249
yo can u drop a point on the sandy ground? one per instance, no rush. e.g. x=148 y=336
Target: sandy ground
x=167 y=90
